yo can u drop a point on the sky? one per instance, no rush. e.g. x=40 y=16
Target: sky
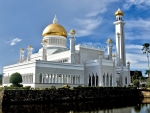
x=23 y=21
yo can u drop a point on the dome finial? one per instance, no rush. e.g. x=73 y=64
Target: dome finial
x=55 y=21
x=119 y=12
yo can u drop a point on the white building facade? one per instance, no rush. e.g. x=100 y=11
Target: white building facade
x=55 y=65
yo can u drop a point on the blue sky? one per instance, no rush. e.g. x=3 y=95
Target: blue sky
x=23 y=21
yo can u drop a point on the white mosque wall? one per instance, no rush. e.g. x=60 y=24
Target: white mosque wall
x=59 y=69
x=26 y=69
x=94 y=68
x=88 y=53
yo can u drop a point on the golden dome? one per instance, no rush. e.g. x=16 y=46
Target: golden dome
x=29 y=46
x=44 y=41
x=54 y=29
x=72 y=31
x=109 y=40
x=119 y=12
x=113 y=55
x=21 y=49
x=128 y=62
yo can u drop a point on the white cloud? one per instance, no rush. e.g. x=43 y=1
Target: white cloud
x=88 y=15
x=136 y=58
x=91 y=44
x=86 y=26
x=142 y=4
x=138 y=61
x=138 y=29
x=133 y=46
x=14 y=41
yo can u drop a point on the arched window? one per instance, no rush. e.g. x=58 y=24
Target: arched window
x=89 y=80
x=125 y=80
x=93 y=80
x=96 y=79
x=104 y=80
x=111 y=80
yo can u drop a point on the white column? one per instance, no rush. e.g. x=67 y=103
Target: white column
x=105 y=80
x=108 y=80
x=100 y=75
x=62 y=78
x=91 y=80
x=79 y=79
x=67 y=78
x=95 y=80
x=44 y=44
x=53 y=78
x=122 y=74
x=71 y=79
x=29 y=52
x=72 y=46
x=42 y=79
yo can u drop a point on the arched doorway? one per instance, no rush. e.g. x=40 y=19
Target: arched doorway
x=93 y=80
x=96 y=79
x=89 y=80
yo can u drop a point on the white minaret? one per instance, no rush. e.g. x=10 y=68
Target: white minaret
x=109 y=46
x=29 y=52
x=72 y=46
x=44 y=44
x=120 y=38
x=21 y=55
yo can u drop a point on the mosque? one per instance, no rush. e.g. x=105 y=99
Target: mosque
x=56 y=65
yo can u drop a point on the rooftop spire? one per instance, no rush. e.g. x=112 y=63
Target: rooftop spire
x=55 y=21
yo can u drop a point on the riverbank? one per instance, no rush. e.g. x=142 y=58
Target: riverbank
x=69 y=95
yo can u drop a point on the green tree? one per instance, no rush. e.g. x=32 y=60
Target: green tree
x=147 y=72
x=148 y=82
x=136 y=83
x=15 y=79
x=135 y=76
x=146 y=50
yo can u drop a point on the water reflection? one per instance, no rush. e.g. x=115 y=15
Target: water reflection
x=113 y=106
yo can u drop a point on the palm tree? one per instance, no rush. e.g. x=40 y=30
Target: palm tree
x=147 y=72
x=136 y=74
x=146 y=50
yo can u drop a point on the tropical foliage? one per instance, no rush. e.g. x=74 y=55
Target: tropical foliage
x=136 y=83
x=146 y=50
x=148 y=82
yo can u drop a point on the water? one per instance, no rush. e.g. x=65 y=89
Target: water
x=113 y=106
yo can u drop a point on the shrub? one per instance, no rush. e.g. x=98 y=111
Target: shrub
x=16 y=79
x=136 y=83
x=27 y=87
x=148 y=82
x=52 y=87
x=66 y=86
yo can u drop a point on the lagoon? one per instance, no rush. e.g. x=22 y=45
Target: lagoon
x=111 y=106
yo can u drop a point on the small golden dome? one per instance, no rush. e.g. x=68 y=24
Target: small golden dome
x=109 y=41
x=128 y=62
x=119 y=12
x=118 y=33
x=72 y=31
x=44 y=41
x=113 y=55
x=21 y=49
x=100 y=52
x=29 y=46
